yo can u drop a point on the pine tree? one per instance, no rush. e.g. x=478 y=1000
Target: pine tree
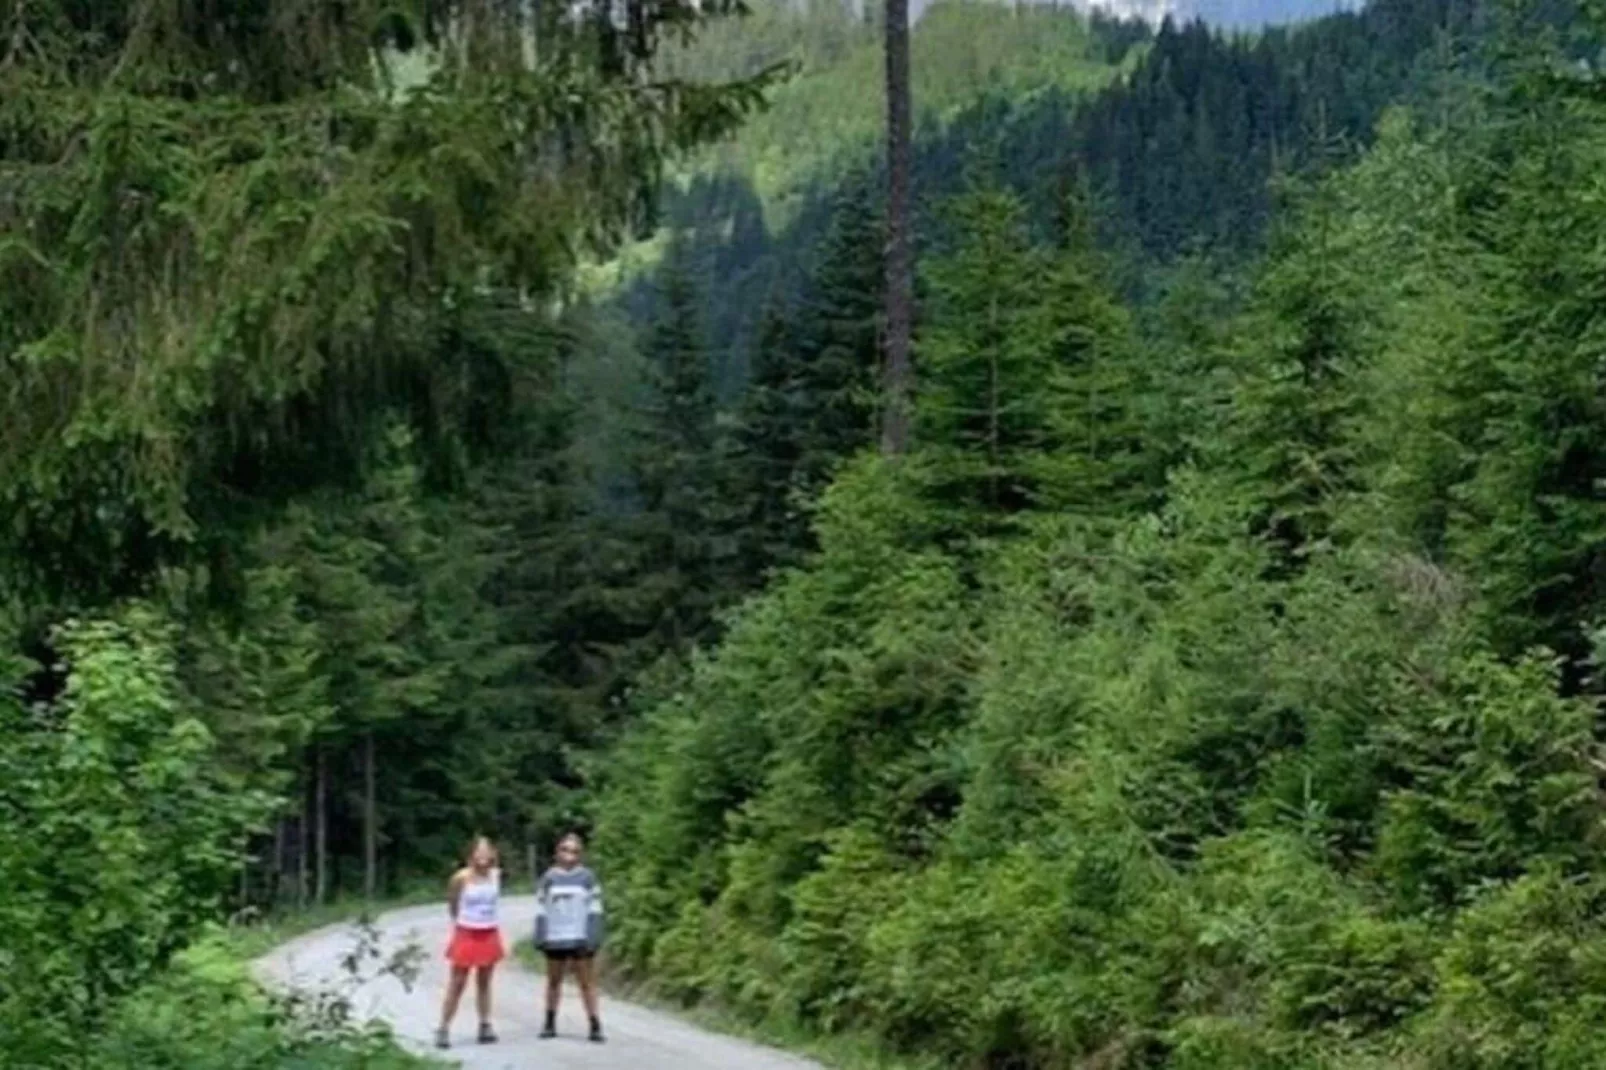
x=770 y=439
x=838 y=331
x=219 y=298
x=361 y=568
x=811 y=401
x=687 y=524
x=1183 y=378
x=1103 y=460
x=1300 y=347
x=1528 y=519
x=987 y=352
x=1027 y=397
x=538 y=610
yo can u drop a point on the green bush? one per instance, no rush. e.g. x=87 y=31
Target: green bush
x=1521 y=980
x=1143 y=868
x=833 y=910
x=1494 y=776
x=118 y=834
x=206 y=1013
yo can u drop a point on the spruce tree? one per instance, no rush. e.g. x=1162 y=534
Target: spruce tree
x=1104 y=461
x=363 y=568
x=1027 y=397
x=1183 y=375
x=838 y=330
x=684 y=470
x=1528 y=517
x=811 y=401
x=540 y=606
x=770 y=438
x=234 y=232
x=1299 y=348
x=987 y=351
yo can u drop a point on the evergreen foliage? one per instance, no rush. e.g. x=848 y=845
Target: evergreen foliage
x=278 y=278
x=1214 y=684
x=1288 y=758
x=232 y=244
x=1029 y=366
x=1176 y=133
x=811 y=402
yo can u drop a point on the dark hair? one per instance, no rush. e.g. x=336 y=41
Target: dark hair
x=579 y=840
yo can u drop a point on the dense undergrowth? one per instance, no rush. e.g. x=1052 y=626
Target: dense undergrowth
x=1125 y=802
x=119 y=846
x=207 y=1013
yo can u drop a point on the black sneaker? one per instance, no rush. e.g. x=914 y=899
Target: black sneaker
x=443 y=1039
x=596 y=1032
x=550 y=1029
x=487 y=1034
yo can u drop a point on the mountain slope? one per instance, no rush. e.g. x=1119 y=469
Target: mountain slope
x=1175 y=134
x=1225 y=14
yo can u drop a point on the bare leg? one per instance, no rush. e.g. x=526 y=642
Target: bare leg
x=482 y=993
x=482 y=1001
x=454 y=996
x=554 y=984
x=554 y=990
x=586 y=969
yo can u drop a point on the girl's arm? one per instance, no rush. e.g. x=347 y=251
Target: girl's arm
x=454 y=892
x=595 y=922
x=540 y=911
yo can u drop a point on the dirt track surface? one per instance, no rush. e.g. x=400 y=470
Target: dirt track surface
x=638 y=1038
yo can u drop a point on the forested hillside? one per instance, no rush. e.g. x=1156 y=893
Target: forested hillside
x=422 y=427
x=1214 y=686
x=1176 y=135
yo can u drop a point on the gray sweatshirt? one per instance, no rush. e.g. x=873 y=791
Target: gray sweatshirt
x=568 y=910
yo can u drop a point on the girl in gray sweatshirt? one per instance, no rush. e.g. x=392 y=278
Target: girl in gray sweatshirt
x=569 y=930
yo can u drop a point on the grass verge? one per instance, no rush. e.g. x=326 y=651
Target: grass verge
x=253 y=936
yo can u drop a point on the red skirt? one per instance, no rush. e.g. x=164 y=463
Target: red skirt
x=474 y=949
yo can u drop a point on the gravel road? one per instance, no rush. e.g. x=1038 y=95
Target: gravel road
x=638 y=1038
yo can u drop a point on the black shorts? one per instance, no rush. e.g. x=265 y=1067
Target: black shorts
x=567 y=954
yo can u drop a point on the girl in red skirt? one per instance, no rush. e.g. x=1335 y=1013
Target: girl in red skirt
x=476 y=944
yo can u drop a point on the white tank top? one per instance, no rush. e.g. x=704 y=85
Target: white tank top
x=476 y=903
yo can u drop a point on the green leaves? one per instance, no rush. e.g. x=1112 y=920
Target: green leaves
x=207 y=1013
x=1519 y=978
x=118 y=835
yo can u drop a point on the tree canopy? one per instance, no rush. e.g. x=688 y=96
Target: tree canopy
x=234 y=236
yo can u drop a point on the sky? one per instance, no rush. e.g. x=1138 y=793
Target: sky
x=1227 y=14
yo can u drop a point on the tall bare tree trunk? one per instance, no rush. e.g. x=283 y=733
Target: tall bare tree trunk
x=321 y=830
x=994 y=431
x=276 y=874
x=898 y=371
x=370 y=820
x=304 y=849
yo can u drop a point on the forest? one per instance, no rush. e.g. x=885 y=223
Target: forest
x=459 y=418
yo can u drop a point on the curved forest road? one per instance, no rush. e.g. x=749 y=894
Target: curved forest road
x=638 y=1038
